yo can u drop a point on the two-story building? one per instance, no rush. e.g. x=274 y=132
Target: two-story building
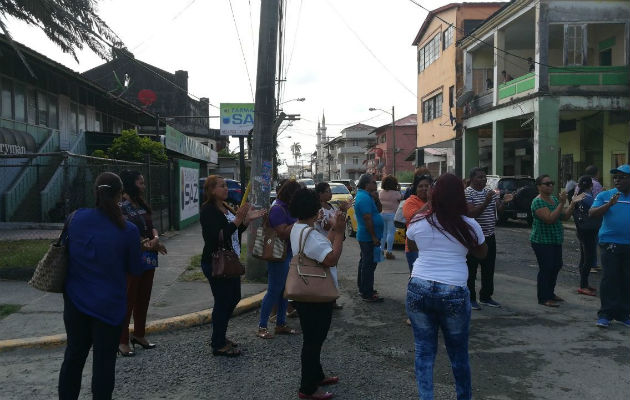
x=348 y=151
x=439 y=81
x=389 y=158
x=546 y=89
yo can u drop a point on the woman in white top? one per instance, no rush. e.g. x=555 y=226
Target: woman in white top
x=437 y=295
x=315 y=317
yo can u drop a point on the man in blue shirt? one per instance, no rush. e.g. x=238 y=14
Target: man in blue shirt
x=369 y=233
x=614 y=242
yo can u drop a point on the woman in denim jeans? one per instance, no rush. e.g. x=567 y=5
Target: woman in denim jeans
x=437 y=295
x=282 y=222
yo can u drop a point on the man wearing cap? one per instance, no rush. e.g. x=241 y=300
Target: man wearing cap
x=614 y=242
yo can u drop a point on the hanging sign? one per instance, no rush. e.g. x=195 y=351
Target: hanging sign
x=237 y=119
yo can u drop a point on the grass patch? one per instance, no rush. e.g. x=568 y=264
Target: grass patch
x=193 y=271
x=6 y=309
x=22 y=253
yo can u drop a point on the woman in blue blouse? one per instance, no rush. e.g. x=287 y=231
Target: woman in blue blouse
x=102 y=249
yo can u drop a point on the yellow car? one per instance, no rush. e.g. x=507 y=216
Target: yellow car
x=339 y=193
x=351 y=228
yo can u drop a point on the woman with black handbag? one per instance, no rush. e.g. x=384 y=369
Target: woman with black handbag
x=218 y=221
x=587 y=229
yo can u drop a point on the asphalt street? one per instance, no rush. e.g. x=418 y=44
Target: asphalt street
x=520 y=351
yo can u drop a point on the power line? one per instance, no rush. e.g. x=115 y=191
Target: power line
x=251 y=27
x=179 y=13
x=251 y=90
x=347 y=123
x=369 y=50
x=297 y=25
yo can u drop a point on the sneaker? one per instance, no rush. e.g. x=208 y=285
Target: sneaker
x=603 y=323
x=373 y=299
x=490 y=303
x=474 y=305
x=625 y=323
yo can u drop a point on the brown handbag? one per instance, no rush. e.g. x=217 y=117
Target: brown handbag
x=308 y=280
x=225 y=262
x=267 y=245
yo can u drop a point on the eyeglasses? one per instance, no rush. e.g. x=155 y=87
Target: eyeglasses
x=550 y=183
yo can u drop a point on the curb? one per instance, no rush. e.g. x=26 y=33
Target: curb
x=178 y=322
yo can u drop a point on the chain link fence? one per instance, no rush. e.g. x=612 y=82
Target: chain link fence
x=38 y=191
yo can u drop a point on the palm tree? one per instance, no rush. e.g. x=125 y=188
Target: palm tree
x=296 y=148
x=70 y=24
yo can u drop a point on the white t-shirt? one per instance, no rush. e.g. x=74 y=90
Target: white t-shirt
x=316 y=247
x=441 y=257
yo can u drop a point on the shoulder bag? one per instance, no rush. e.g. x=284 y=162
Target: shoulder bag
x=225 y=262
x=51 y=271
x=267 y=245
x=308 y=280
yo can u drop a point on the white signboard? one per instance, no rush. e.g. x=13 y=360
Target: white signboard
x=237 y=119
x=189 y=192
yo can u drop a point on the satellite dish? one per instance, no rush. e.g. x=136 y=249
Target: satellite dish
x=464 y=98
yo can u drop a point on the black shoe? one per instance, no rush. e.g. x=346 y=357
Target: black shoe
x=373 y=299
x=134 y=341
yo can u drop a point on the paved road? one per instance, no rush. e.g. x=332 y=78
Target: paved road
x=521 y=351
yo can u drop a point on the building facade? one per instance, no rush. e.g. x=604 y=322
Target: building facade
x=440 y=82
x=389 y=155
x=563 y=101
x=348 y=152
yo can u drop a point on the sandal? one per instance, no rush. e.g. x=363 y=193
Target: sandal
x=263 y=333
x=229 y=352
x=292 y=314
x=285 y=330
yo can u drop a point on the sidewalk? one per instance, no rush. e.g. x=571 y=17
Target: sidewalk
x=42 y=313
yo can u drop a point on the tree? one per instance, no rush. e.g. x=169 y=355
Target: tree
x=70 y=24
x=296 y=148
x=131 y=147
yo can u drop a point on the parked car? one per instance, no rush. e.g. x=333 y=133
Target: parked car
x=235 y=194
x=307 y=182
x=523 y=188
x=351 y=228
x=403 y=187
x=349 y=183
x=339 y=193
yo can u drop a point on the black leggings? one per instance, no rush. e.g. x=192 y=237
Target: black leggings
x=588 y=254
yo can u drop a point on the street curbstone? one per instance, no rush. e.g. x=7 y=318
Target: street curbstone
x=178 y=322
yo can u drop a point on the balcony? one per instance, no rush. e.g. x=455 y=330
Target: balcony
x=590 y=79
x=351 y=149
x=521 y=86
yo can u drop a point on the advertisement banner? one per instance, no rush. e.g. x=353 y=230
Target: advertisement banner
x=188 y=193
x=180 y=143
x=237 y=119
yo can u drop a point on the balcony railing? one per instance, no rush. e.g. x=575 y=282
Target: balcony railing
x=516 y=87
x=590 y=78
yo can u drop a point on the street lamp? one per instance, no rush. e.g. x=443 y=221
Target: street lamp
x=298 y=99
x=393 y=134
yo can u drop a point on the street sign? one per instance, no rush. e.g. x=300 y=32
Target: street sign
x=237 y=119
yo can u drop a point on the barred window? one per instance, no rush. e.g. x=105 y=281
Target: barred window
x=449 y=34
x=432 y=108
x=429 y=53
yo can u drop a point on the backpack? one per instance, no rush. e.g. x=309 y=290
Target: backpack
x=582 y=220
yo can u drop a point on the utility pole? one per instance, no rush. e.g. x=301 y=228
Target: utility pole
x=394 y=141
x=263 y=136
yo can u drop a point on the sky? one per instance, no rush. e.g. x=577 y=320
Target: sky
x=342 y=56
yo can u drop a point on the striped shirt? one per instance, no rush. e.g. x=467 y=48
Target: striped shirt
x=487 y=219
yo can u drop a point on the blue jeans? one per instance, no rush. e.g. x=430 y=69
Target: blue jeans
x=432 y=305
x=367 y=266
x=389 y=231
x=276 y=279
x=411 y=258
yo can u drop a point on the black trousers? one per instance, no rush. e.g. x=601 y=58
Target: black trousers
x=227 y=294
x=487 y=271
x=588 y=253
x=315 y=321
x=614 y=289
x=549 y=257
x=84 y=332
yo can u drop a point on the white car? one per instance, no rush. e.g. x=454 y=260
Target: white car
x=307 y=182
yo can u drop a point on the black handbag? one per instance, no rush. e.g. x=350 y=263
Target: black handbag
x=225 y=262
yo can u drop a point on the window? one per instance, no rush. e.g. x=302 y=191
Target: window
x=574 y=40
x=355 y=160
x=97 y=121
x=355 y=142
x=451 y=96
x=42 y=109
x=31 y=100
x=429 y=53
x=5 y=100
x=20 y=103
x=52 y=112
x=82 y=119
x=72 y=121
x=471 y=24
x=449 y=34
x=432 y=108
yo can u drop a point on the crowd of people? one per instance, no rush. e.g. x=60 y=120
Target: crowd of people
x=450 y=231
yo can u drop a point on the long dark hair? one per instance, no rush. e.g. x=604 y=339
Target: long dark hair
x=107 y=189
x=448 y=205
x=129 y=178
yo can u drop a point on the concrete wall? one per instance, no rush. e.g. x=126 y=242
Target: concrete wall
x=616 y=138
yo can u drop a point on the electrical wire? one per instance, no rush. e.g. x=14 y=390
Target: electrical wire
x=295 y=35
x=347 y=123
x=249 y=79
x=179 y=13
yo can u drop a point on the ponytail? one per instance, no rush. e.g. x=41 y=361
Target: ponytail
x=107 y=190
